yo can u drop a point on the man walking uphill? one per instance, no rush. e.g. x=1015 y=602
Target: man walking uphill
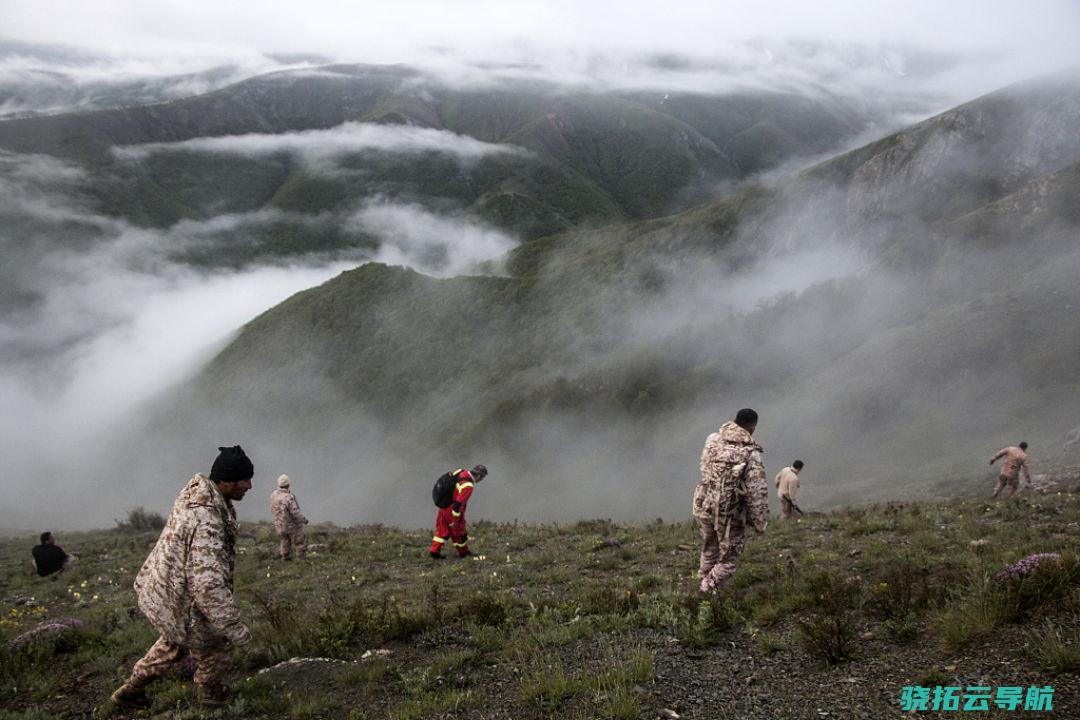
x=289 y=522
x=450 y=520
x=185 y=587
x=732 y=493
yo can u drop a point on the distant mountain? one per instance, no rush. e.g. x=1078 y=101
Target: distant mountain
x=943 y=326
x=588 y=157
x=39 y=79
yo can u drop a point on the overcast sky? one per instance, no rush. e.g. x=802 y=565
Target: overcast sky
x=391 y=31
x=1035 y=36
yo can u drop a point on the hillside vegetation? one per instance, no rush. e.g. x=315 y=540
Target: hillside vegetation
x=830 y=615
x=587 y=157
x=945 y=327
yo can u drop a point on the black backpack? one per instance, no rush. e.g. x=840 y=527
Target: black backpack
x=443 y=492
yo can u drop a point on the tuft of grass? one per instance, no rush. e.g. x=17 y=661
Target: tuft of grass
x=768 y=644
x=366 y=673
x=548 y=686
x=307 y=706
x=604 y=600
x=704 y=625
x=620 y=703
x=1056 y=653
x=256 y=696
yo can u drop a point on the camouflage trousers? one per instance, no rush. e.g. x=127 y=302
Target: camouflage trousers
x=1004 y=481
x=721 y=551
x=293 y=540
x=786 y=508
x=211 y=663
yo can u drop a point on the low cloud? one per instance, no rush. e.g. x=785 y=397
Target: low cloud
x=436 y=244
x=324 y=147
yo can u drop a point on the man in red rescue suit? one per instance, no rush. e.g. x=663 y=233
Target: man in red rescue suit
x=450 y=521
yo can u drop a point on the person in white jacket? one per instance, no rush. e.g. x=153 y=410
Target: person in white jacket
x=787 y=487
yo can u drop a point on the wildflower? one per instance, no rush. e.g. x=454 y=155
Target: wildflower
x=1026 y=567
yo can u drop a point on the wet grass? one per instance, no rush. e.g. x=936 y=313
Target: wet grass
x=571 y=620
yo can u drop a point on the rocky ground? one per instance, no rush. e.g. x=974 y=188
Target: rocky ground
x=828 y=617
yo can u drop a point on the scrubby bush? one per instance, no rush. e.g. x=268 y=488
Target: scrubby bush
x=704 y=624
x=139 y=519
x=828 y=631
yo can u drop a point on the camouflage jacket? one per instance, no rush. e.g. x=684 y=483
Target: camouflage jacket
x=730 y=456
x=286 y=511
x=185 y=587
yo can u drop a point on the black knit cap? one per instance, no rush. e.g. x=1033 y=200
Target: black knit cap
x=746 y=418
x=231 y=465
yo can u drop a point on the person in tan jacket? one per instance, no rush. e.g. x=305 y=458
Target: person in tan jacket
x=787 y=488
x=185 y=587
x=731 y=494
x=1016 y=459
x=289 y=522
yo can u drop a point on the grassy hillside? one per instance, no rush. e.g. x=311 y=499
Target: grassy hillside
x=831 y=615
x=937 y=339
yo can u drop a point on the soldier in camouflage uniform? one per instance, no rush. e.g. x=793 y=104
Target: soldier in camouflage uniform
x=289 y=522
x=185 y=587
x=732 y=493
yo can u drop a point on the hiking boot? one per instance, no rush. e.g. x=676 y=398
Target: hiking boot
x=436 y=556
x=129 y=696
x=214 y=694
x=467 y=553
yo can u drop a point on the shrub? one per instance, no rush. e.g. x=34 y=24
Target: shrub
x=903 y=588
x=484 y=608
x=704 y=625
x=828 y=636
x=139 y=519
x=828 y=631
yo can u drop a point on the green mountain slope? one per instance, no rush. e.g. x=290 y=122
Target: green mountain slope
x=591 y=157
x=942 y=331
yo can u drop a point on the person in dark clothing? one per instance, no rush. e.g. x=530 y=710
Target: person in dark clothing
x=49 y=557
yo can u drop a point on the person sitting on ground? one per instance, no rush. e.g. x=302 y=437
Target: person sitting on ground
x=49 y=557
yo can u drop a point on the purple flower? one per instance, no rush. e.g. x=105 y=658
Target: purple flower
x=1026 y=567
